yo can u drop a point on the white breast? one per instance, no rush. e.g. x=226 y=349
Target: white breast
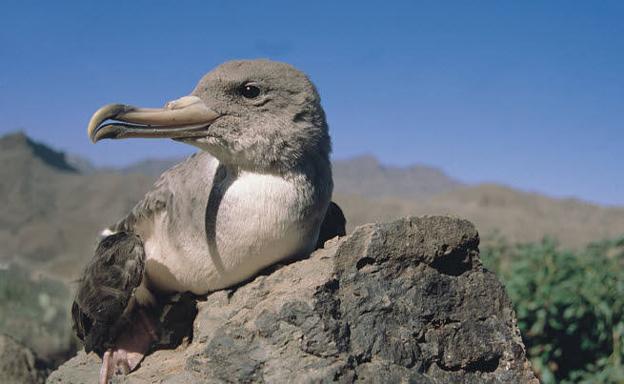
x=260 y=220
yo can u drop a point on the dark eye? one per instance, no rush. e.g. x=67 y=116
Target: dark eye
x=250 y=91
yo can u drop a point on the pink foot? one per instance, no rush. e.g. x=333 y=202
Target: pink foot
x=130 y=348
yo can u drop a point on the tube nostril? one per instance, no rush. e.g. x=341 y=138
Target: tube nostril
x=182 y=102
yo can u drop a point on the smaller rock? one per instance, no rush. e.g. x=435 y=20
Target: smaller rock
x=18 y=364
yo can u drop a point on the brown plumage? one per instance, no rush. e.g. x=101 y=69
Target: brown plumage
x=103 y=301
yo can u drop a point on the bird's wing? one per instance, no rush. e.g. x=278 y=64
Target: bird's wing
x=173 y=182
x=105 y=289
x=154 y=201
x=108 y=283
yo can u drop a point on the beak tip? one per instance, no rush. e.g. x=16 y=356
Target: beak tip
x=109 y=111
x=93 y=135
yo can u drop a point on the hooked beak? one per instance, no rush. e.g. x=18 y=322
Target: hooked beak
x=185 y=117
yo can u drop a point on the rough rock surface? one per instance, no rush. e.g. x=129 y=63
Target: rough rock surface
x=18 y=364
x=407 y=301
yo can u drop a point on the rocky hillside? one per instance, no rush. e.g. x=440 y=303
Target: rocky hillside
x=365 y=176
x=18 y=364
x=51 y=213
x=499 y=211
x=407 y=301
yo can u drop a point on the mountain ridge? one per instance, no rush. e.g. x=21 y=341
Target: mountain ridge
x=16 y=142
x=54 y=212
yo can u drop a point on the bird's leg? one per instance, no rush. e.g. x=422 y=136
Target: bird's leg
x=106 y=369
x=130 y=347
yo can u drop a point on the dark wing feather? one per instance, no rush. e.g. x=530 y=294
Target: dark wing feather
x=105 y=289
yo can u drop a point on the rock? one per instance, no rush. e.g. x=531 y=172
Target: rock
x=407 y=301
x=18 y=364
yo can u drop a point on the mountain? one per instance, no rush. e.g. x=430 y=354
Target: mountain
x=81 y=164
x=19 y=147
x=499 y=211
x=52 y=213
x=151 y=167
x=365 y=176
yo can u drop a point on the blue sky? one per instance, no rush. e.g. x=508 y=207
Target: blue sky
x=525 y=93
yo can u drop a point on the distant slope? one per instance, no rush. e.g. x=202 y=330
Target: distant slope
x=81 y=164
x=19 y=147
x=365 y=176
x=51 y=214
x=151 y=167
x=498 y=210
x=523 y=216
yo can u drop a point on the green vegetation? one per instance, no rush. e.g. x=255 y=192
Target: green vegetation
x=35 y=312
x=570 y=307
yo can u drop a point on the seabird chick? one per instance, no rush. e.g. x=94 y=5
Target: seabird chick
x=255 y=194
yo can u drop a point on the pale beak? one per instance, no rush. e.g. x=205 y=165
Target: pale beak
x=185 y=117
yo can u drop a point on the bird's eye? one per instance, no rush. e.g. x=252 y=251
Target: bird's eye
x=250 y=91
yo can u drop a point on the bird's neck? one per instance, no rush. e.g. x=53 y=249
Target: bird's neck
x=313 y=170
x=313 y=167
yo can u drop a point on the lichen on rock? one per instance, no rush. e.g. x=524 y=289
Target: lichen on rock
x=406 y=301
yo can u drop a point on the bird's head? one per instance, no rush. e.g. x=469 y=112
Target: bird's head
x=256 y=114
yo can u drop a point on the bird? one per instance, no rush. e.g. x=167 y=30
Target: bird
x=255 y=194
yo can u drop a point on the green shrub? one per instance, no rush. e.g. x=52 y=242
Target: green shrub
x=570 y=307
